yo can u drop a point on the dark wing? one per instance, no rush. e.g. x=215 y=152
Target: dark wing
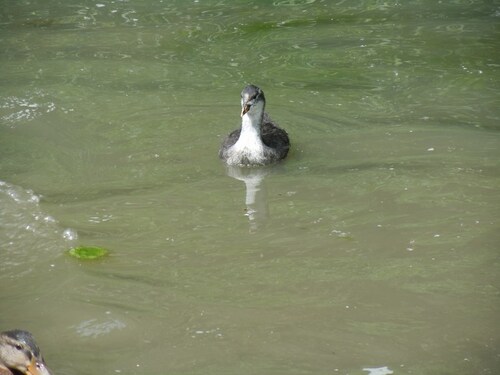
x=229 y=141
x=274 y=137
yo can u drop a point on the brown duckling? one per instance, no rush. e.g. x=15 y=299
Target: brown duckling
x=19 y=354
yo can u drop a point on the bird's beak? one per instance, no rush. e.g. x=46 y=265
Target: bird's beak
x=244 y=109
x=37 y=368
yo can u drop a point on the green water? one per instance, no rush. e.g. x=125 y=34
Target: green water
x=375 y=244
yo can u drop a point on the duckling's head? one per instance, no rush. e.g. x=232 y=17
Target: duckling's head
x=20 y=353
x=253 y=101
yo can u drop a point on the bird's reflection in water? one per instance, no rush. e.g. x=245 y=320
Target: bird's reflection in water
x=256 y=195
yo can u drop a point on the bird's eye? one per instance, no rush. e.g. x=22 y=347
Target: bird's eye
x=19 y=347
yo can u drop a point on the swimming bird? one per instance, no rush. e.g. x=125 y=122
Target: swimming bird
x=19 y=354
x=259 y=140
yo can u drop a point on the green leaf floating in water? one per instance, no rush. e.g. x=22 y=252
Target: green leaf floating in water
x=88 y=252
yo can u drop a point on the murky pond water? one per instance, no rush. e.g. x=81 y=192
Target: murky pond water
x=373 y=249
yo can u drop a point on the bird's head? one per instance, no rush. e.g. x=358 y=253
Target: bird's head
x=252 y=101
x=19 y=352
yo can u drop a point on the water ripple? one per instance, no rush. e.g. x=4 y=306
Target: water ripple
x=14 y=109
x=27 y=233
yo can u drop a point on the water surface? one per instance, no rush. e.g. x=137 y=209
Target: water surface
x=373 y=246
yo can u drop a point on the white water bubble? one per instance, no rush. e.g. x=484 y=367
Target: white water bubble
x=70 y=234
